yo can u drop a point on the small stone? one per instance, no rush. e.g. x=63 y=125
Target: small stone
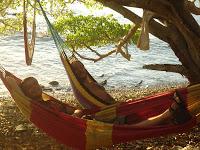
x=102 y=75
x=103 y=83
x=149 y=148
x=189 y=147
x=58 y=89
x=47 y=89
x=54 y=83
x=20 y=128
x=177 y=147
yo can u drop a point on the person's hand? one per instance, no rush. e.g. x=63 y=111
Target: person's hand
x=78 y=113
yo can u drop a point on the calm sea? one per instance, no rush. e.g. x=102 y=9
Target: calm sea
x=118 y=72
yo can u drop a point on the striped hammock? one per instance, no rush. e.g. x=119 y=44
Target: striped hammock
x=80 y=133
x=84 y=96
x=83 y=134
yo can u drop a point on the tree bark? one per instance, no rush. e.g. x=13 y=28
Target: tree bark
x=181 y=31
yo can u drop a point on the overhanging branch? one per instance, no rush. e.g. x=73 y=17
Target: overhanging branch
x=119 y=47
x=155 y=28
x=168 y=68
x=192 y=7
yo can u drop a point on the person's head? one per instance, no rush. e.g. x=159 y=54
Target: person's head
x=79 y=70
x=31 y=88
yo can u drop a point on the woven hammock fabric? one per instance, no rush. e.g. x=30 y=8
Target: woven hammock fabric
x=90 y=101
x=83 y=134
x=90 y=134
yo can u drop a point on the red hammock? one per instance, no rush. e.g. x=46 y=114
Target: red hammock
x=90 y=134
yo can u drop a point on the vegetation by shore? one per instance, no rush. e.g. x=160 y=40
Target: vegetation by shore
x=17 y=133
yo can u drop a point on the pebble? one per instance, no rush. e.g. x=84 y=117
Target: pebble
x=149 y=148
x=103 y=82
x=189 y=147
x=20 y=128
x=101 y=75
x=47 y=89
x=8 y=123
x=54 y=83
x=177 y=147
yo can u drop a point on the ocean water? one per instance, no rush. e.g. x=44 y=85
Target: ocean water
x=118 y=72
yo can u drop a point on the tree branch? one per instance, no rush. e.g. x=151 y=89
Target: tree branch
x=156 y=28
x=118 y=48
x=105 y=55
x=6 y=6
x=83 y=57
x=192 y=7
x=92 y=50
x=125 y=40
x=95 y=59
x=168 y=68
x=5 y=24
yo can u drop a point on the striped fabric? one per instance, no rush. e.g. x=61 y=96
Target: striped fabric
x=84 y=96
x=83 y=134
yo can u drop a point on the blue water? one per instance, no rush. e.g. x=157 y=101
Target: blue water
x=47 y=67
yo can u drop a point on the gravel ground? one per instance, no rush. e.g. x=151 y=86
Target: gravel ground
x=17 y=133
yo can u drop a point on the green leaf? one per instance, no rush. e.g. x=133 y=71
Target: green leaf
x=80 y=30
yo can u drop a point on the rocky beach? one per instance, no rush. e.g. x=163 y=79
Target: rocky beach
x=17 y=133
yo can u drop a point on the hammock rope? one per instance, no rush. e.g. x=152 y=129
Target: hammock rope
x=143 y=41
x=85 y=97
x=29 y=46
x=59 y=42
x=105 y=109
x=84 y=134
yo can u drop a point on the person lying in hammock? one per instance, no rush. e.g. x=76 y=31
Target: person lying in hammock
x=95 y=88
x=31 y=88
x=177 y=112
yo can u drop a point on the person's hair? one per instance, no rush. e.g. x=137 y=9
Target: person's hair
x=24 y=81
x=74 y=63
x=26 y=85
x=79 y=70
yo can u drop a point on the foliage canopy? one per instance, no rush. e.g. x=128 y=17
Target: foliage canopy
x=79 y=31
x=82 y=31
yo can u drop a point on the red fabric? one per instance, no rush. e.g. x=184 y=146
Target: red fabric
x=65 y=128
x=82 y=100
x=145 y=107
x=71 y=131
x=127 y=133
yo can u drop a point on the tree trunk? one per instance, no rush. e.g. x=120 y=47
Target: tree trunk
x=182 y=32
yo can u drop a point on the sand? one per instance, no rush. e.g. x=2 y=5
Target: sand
x=17 y=133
